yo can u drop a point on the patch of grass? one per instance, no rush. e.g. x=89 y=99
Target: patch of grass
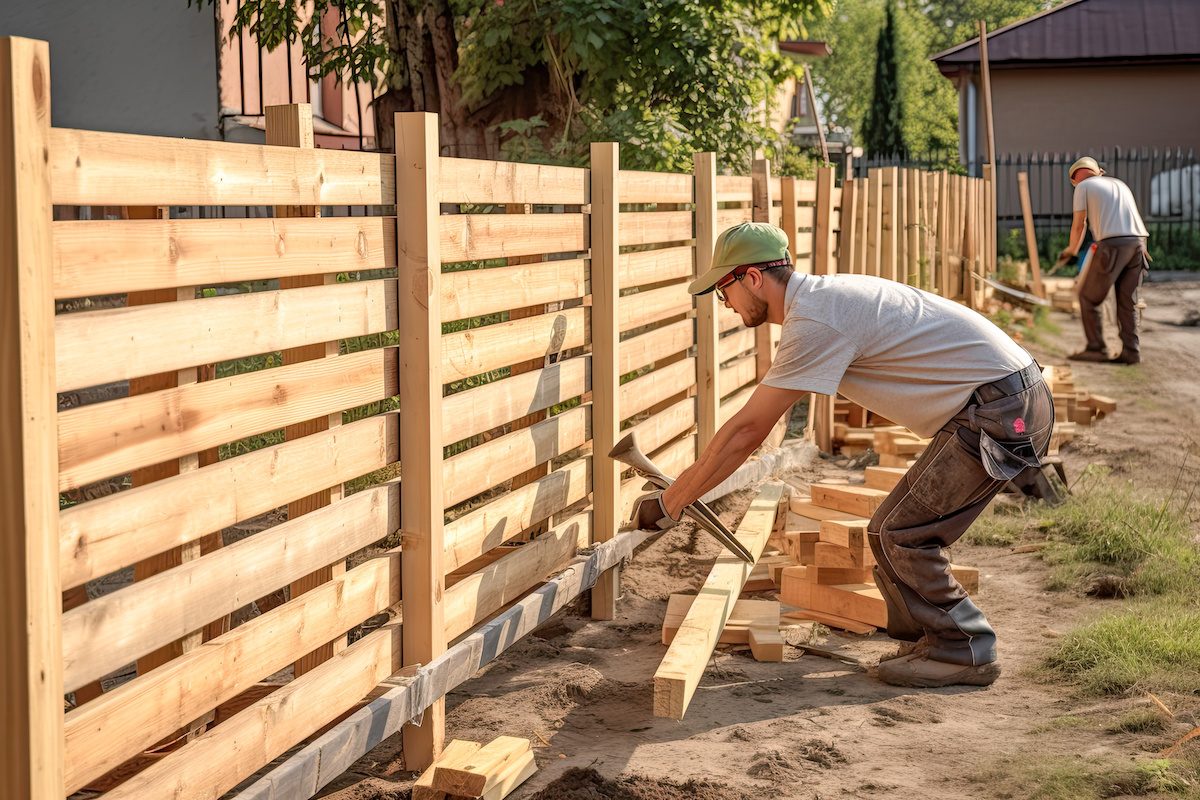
x=1083 y=779
x=1152 y=645
x=997 y=530
x=1060 y=724
x=1142 y=720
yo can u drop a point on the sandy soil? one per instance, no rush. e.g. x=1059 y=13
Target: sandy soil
x=814 y=727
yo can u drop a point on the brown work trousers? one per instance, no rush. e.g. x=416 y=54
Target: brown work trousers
x=1119 y=261
x=932 y=506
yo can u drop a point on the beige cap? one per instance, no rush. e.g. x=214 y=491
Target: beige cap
x=1087 y=162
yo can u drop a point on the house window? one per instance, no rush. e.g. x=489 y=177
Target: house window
x=802 y=96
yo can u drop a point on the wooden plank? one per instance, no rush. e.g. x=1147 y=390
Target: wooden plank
x=105 y=346
x=727 y=319
x=761 y=184
x=745 y=614
x=476 y=237
x=787 y=213
x=736 y=344
x=109 y=631
x=106 y=439
x=888 y=185
x=848 y=227
x=104 y=535
x=654 y=387
x=661 y=428
x=823 y=241
x=809 y=509
x=475 y=292
x=606 y=238
x=654 y=187
x=728 y=217
x=655 y=266
x=456 y=752
x=422 y=347
x=884 y=478
x=647 y=348
x=676 y=679
x=480 y=182
x=733 y=404
x=490 y=525
x=647 y=307
x=835 y=576
x=830 y=620
x=472 y=471
x=478 y=596
x=859 y=500
x=89 y=168
x=478 y=350
x=675 y=457
x=482 y=770
x=98 y=257
x=738 y=373
x=31 y=764
x=491 y=405
x=766 y=644
x=1031 y=245
x=734 y=188
x=855 y=601
x=653 y=227
x=135 y=715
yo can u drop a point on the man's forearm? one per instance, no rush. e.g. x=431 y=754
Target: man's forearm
x=727 y=451
x=1077 y=229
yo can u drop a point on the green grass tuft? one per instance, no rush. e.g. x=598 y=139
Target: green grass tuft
x=1142 y=720
x=1084 y=779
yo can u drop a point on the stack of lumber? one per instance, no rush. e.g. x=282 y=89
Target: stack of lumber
x=1061 y=294
x=1072 y=406
x=853 y=427
x=470 y=769
x=752 y=622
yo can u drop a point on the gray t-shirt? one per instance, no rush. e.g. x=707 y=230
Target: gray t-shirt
x=901 y=352
x=1110 y=207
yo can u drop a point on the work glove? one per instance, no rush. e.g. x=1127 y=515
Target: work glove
x=1066 y=256
x=649 y=513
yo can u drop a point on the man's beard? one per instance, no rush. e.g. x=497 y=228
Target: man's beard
x=755 y=313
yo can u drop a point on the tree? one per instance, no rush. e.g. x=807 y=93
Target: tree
x=542 y=79
x=883 y=131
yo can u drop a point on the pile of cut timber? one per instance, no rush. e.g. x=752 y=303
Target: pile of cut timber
x=470 y=769
x=1061 y=294
x=1072 y=406
x=752 y=622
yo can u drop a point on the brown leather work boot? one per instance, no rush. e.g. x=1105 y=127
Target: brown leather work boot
x=1095 y=356
x=923 y=672
x=1125 y=357
x=919 y=647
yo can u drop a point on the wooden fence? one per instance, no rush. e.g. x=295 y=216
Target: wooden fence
x=485 y=333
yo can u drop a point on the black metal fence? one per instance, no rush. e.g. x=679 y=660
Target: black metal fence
x=1165 y=184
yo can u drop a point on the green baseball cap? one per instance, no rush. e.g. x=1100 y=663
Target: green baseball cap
x=748 y=243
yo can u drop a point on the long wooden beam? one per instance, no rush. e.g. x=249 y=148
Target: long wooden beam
x=332 y=753
x=677 y=677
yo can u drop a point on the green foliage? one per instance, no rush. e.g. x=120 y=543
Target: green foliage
x=883 y=129
x=1078 y=778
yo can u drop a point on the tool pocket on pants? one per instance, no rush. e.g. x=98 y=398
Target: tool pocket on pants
x=953 y=479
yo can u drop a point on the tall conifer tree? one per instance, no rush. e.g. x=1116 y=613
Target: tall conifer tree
x=883 y=130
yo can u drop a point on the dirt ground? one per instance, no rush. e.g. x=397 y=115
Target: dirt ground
x=813 y=727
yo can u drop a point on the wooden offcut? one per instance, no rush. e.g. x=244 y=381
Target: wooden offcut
x=745 y=615
x=476 y=773
x=676 y=679
x=859 y=500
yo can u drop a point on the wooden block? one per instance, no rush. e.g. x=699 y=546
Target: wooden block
x=736 y=631
x=857 y=601
x=456 y=752
x=851 y=533
x=481 y=770
x=516 y=773
x=762 y=577
x=893 y=460
x=831 y=620
x=838 y=576
x=859 y=500
x=828 y=555
x=765 y=643
x=967 y=576
x=795 y=588
x=1102 y=404
x=812 y=510
x=884 y=478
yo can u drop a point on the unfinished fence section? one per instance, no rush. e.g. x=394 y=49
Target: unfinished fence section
x=256 y=466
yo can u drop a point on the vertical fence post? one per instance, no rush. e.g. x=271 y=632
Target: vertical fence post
x=708 y=392
x=822 y=249
x=887 y=223
x=847 y=235
x=31 y=669
x=1031 y=244
x=761 y=212
x=420 y=346
x=900 y=225
x=912 y=227
x=874 y=228
x=988 y=219
x=292 y=126
x=942 y=235
x=606 y=378
x=862 y=250
x=970 y=241
x=787 y=213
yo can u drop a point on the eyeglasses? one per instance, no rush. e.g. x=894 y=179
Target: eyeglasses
x=739 y=272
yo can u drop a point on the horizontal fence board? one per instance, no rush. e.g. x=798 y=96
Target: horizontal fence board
x=103 y=634
x=652 y=388
x=661 y=428
x=95 y=347
x=475 y=237
x=478 y=350
x=804 y=243
x=737 y=374
x=805 y=216
x=645 y=308
x=483 y=408
x=644 y=349
x=776 y=184
x=104 y=535
x=220 y=758
x=473 y=293
x=473 y=534
x=106 y=439
x=491 y=463
x=653 y=187
x=734 y=189
x=470 y=180
x=124 y=721
x=735 y=344
x=655 y=266
x=112 y=256
x=732 y=405
x=90 y=168
x=728 y=217
x=727 y=318
x=677 y=456
x=479 y=595
x=653 y=227
x=806 y=191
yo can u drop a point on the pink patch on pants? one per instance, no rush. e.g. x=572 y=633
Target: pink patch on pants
x=1018 y=425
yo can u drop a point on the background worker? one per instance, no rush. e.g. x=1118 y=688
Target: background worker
x=920 y=360
x=1120 y=259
